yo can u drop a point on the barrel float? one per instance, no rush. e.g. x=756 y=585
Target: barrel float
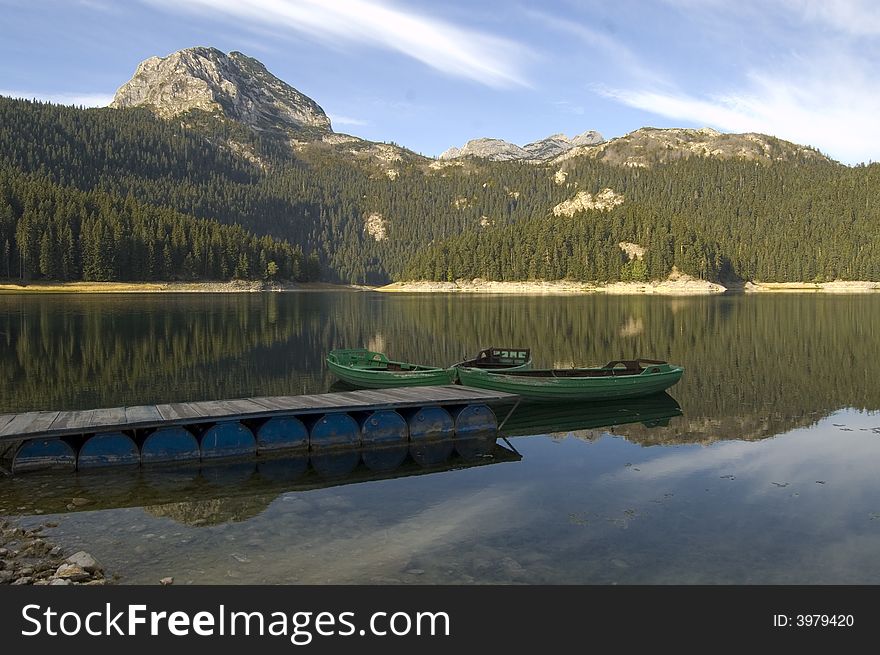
x=384 y=458
x=108 y=449
x=430 y=423
x=228 y=439
x=475 y=448
x=172 y=444
x=335 y=430
x=335 y=463
x=384 y=427
x=43 y=455
x=431 y=453
x=282 y=433
x=473 y=420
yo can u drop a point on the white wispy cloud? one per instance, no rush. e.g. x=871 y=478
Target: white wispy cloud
x=822 y=89
x=339 y=119
x=454 y=50
x=62 y=98
x=857 y=17
x=613 y=50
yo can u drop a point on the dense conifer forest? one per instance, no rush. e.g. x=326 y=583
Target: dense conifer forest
x=103 y=194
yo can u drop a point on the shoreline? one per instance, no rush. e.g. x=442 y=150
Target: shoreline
x=234 y=286
x=28 y=557
x=681 y=286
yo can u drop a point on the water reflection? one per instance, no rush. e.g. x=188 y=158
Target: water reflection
x=755 y=367
x=761 y=469
x=222 y=484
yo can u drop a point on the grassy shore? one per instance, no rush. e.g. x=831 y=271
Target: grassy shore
x=234 y=286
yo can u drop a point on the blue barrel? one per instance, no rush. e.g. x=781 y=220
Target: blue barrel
x=384 y=458
x=430 y=423
x=474 y=420
x=172 y=444
x=431 y=453
x=108 y=449
x=228 y=439
x=384 y=427
x=43 y=455
x=335 y=430
x=282 y=433
x=335 y=464
x=283 y=469
x=475 y=448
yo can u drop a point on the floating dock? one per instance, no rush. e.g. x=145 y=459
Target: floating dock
x=245 y=427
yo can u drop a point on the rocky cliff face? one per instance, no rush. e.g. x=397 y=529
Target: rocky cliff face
x=537 y=151
x=236 y=86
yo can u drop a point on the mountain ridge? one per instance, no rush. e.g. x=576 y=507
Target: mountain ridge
x=537 y=151
x=240 y=88
x=235 y=85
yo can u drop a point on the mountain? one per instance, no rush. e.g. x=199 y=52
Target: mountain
x=248 y=173
x=650 y=145
x=234 y=85
x=537 y=151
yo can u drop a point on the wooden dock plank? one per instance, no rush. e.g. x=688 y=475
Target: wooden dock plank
x=217 y=409
x=28 y=422
x=180 y=411
x=105 y=420
x=48 y=424
x=63 y=420
x=266 y=403
x=373 y=397
x=42 y=421
x=280 y=403
x=142 y=414
x=83 y=420
x=244 y=406
x=322 y=401
x=6 y=418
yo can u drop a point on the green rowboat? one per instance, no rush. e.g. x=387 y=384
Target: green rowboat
x=616 y=380
x=366 y=369
x=371 y=370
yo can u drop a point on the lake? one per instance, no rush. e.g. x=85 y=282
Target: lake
x=759 y=467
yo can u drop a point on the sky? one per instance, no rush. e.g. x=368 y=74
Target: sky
x=430 y=75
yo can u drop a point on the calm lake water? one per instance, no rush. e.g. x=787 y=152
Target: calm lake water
x=759 y=467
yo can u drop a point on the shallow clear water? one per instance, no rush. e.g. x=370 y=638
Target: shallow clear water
x=765 y=474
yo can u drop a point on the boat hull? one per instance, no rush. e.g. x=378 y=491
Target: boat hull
x=550 y=389
x=382 y=379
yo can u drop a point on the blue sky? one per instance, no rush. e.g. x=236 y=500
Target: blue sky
x=429 y=75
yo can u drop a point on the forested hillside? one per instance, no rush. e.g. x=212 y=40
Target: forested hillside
x=712 y=219
x=122 y=194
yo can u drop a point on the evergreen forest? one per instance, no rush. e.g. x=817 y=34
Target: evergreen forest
x=105 y=194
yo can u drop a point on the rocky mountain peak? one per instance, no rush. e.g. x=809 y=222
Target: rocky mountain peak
x=537 y=151
x=235 y=85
